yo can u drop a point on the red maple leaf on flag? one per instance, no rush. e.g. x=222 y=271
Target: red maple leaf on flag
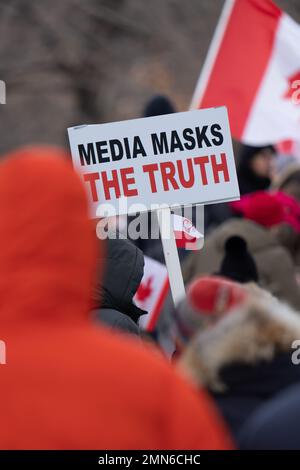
x=285 y=146
x=145 y=290
x=293 y=85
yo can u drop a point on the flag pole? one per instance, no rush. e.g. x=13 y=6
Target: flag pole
x=212 y=53
x=171 y=254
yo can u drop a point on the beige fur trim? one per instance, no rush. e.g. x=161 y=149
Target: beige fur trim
x=255 y=331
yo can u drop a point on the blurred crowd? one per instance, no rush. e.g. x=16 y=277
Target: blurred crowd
x=80 y=372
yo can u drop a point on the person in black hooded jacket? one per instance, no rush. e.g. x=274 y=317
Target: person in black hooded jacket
x=113 y=294
x=255 y=168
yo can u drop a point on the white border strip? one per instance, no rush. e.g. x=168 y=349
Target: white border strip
x=212 y=53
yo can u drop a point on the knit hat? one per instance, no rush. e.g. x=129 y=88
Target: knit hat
x=269 y=209
x=238 y=264
x=158 y=105
x=291 y=209
x=261 y=207
x=207 y=298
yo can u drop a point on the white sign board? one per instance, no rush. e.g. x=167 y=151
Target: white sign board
x=176 y=159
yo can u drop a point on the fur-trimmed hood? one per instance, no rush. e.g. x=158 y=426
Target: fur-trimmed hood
x=257 y=331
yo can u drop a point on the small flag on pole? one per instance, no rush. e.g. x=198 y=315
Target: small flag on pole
x=152 y=292
x=186 y=235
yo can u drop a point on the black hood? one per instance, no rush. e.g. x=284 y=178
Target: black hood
x=249 y=181
x=123 y=272
x=158 y=105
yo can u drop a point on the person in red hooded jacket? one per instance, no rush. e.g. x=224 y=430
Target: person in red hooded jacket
x=67 y=383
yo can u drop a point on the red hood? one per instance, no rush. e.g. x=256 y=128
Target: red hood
x=47 y=248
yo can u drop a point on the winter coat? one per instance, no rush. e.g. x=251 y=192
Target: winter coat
x=116 y=320
x=113 y=294
x=245 y=359
x=289 y=182
x=251 y=386
x=275 y=267
x=69 y=384
x=275 y=426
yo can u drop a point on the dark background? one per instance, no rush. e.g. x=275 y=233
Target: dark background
x=68 y=62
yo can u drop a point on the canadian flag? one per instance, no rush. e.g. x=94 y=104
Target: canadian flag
x=152 y=292
x=253 y=68
x=186 y=234
x=289 y=147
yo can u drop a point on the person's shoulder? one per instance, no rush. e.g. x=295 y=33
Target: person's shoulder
x=116 y=320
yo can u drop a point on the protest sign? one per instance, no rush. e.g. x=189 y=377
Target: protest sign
x=157 y=163
x=177 y=160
